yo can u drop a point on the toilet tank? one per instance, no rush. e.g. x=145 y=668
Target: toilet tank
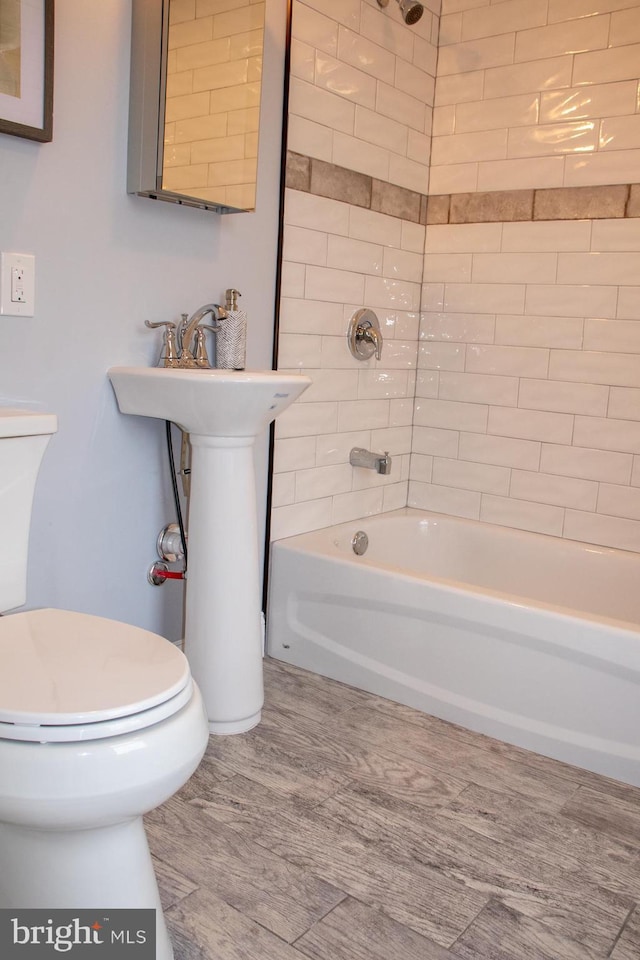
x=23 y=440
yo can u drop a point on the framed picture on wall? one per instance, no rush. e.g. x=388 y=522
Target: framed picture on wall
x=26 y=68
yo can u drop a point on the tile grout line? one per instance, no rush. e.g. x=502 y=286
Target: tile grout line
x=347 y=896
x=473 y=920
x=625 y=923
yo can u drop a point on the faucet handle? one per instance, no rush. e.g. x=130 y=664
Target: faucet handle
x=169 y=355
x=364 y=335
x=161 y=323
x=374 y=337
x=201 y=356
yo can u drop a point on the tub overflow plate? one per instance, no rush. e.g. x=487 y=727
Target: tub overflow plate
x=359 y=542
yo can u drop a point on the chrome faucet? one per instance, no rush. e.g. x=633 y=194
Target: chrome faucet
x=190 y=337
x=381 y=463
x=186 y=346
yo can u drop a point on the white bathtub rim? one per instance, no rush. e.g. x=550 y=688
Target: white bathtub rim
x=321 y=534
x=626 y=636
x=315 y=544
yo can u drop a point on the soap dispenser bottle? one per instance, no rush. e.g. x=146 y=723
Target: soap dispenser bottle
x=231 y=341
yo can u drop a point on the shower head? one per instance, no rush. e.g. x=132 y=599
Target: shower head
x=411 y=10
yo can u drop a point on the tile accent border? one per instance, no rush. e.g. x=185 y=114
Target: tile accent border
x=324 y=179
x=560 y=203
x=338 y=183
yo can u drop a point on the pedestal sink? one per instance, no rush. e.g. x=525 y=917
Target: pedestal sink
x=223 y=411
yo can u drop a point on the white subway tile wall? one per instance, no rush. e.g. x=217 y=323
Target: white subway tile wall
x=362 y=88
x=548 y=393
x=531 y=93
x=332 y=271
x=512 y=350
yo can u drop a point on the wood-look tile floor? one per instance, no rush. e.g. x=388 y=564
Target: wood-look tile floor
x=348 y=827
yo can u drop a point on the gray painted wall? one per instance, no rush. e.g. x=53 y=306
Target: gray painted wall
x=105 y=262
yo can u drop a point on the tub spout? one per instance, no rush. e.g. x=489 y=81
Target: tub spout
x=381 y=463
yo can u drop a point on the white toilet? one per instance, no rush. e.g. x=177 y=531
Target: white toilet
x=100 y=722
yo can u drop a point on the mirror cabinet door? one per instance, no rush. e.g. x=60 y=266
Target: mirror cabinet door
x=196 y=77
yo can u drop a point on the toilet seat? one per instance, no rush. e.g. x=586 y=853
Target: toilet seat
x=72 y=677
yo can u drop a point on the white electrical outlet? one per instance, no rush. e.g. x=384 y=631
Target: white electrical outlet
x=17 y=284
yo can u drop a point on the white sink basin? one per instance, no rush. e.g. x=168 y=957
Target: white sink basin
x=214 y=403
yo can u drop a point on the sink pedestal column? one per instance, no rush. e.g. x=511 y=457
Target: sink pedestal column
x=223 y=635
x=223 y=411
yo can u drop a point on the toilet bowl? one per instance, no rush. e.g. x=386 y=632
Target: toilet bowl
x=100 y=722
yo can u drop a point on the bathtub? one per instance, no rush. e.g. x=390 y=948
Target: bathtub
x=527 y=638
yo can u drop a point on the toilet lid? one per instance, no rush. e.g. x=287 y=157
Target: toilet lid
x=59 y=668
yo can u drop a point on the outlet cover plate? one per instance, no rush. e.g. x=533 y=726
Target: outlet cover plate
x=17 y=284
